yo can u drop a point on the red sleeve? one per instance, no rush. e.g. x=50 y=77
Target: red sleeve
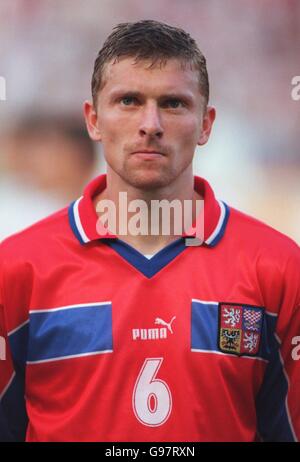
x=13 y=418
x=278 y=403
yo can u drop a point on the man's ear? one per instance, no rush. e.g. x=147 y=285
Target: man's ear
x=207 y=123
x=91 y=120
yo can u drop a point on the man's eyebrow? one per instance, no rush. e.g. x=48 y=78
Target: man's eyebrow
x=187 y=97
x=123 y=92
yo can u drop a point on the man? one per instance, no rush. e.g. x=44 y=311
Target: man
x=196 y=343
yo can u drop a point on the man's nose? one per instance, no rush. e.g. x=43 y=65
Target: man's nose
x=150 y=123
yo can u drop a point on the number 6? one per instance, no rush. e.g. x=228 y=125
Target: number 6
x=2 y=349
x=151 y=399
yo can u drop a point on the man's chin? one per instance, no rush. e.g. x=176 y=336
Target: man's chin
x=148 y=181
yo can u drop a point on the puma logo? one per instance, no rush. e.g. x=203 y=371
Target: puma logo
x=164 y=323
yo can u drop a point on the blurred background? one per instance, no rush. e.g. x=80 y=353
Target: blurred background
x=47 y=52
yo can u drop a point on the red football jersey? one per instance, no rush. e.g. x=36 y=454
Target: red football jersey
x=99 y=343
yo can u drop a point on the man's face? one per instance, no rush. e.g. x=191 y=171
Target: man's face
x=149 y=120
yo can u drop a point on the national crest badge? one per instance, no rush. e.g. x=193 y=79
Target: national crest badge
x=240 y=328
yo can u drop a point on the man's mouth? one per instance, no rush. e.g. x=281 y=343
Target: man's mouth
x=148 y=154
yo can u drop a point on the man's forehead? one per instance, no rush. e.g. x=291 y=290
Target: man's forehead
x=130 y=68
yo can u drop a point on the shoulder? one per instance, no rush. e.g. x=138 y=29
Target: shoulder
x=39 y=237
x=250 y=233
x=268 y=258
x=270 y=254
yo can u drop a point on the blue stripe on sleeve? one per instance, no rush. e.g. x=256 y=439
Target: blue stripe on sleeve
x=272 y=414
x=204 y=326
x=13 y=416
x=18 y=342
x=69 y=332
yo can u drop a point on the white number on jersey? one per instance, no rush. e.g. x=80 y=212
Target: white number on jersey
x=2 y=349
x=151 y=399
x=296 y=350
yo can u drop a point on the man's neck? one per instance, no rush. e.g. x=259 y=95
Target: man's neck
x=150 y=243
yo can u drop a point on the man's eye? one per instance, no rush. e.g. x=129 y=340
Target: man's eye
x=173 y=103
x=127 y=100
